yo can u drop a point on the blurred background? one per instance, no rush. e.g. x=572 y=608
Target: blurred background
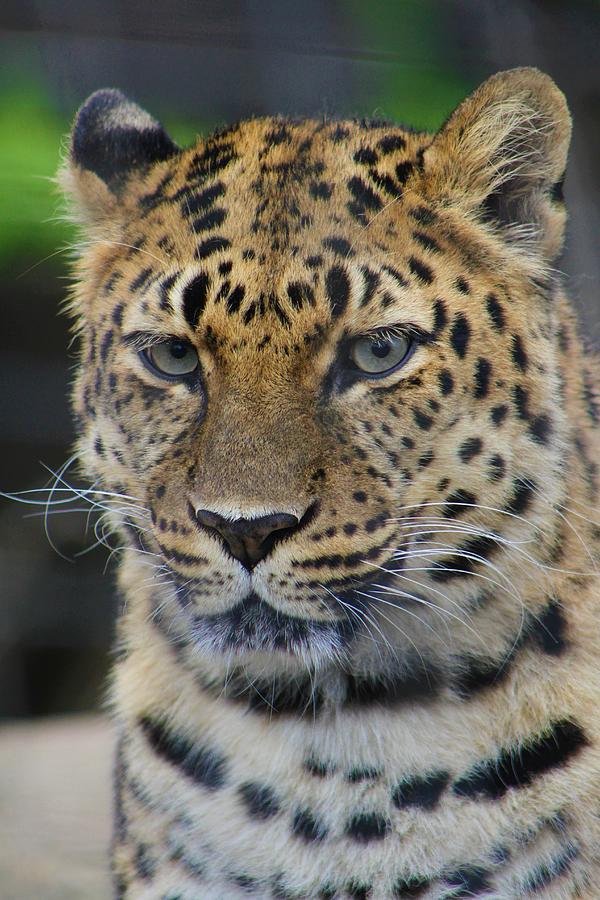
x=197 y=64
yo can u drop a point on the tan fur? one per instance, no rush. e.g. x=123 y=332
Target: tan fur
x=478 y=452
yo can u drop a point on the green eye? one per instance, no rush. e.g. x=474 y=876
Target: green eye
x=172 y=358
x=381 y=353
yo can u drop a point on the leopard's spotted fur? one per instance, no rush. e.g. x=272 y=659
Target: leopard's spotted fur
x=388 y=685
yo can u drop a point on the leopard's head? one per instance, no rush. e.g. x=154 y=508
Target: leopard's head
x=316 y=380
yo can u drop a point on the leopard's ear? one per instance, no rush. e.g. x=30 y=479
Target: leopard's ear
x=502 y=155
x=112 y=138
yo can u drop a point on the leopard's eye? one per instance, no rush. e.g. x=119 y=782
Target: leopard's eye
x=172 y=358
x=382 y=352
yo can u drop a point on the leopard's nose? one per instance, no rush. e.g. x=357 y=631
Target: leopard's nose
x=249 y=540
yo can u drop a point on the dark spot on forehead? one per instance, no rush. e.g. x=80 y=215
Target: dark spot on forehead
x=210 y=246
x=141 y=280
x=320 y=190
x=424 y=215
x=250 y=313
x=519 y=353
x=498 y=414
x=278 y=135
x=195 y=295
x=339 y=133
x=235 y=299
x=194 y=204
x=391 y=143
x=340 y=246
x=420 y=269
x=337 y=285
x=483 y=371
x=371 y=285
x=365 y=156
x=460 y=334
x=212 y=158
x=300 y=293
x=395 y=274
x=426 y=241
x=404 y=170
x=365 y=196
x=212 y=219
x=440 y=316
x=496 y=312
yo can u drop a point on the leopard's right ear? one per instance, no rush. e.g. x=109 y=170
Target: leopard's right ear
x=112 y=139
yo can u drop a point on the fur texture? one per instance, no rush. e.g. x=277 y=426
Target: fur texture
x=358 y=648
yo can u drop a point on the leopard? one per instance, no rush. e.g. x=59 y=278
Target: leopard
x=333 y=400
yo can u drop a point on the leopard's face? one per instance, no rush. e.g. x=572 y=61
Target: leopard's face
x=325 y=380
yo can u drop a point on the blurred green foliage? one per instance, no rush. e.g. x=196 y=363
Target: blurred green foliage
x=407 y=45
x=29 y=153
x=418 y=86
x=34 y=140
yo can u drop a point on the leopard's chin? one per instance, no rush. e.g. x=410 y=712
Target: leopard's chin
x=254 y=626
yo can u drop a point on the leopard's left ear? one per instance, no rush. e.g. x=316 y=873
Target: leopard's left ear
x=112 y=139
x=502 y=154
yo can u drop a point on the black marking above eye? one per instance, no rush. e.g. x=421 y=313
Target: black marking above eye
x=370 y=287
x=195 y=295
x=519 y=354
x=337 y=285
x=460 y=334
x=440 y=316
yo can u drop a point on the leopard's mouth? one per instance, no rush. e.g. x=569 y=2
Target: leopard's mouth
x=254 y=625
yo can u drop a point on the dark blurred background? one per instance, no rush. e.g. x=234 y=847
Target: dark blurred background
x=196 y=65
